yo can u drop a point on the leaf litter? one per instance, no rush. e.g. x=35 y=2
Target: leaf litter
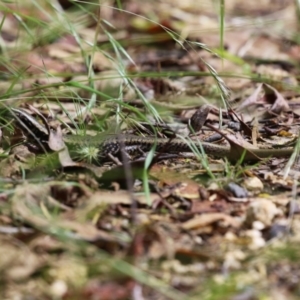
x=190 y=227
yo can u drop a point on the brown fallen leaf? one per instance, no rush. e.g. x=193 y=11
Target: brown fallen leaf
x=33 y=210
x=253 y=99
x=207 y=219
x=279 y=104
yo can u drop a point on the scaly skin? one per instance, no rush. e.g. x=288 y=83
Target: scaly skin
x=112 y=143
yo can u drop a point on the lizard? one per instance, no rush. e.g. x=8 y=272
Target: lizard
x=113 y=143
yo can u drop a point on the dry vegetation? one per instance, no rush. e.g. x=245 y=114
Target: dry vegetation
x=160 y=226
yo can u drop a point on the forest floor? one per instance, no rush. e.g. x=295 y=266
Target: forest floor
x=149 y=224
